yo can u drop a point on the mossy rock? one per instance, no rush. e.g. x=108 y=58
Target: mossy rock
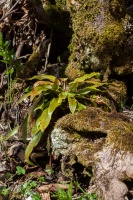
x=100 y=141
x=99 y=35
x=95 y=123
x=92 y=127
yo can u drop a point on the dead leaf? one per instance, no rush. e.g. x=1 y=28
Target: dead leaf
x=45 y=196
x=52 y=187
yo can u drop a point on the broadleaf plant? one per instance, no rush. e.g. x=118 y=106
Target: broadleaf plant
x=48 y=94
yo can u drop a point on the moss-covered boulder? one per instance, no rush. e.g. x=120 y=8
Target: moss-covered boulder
x=99 y=41
x=100 y=141
x=102 y=34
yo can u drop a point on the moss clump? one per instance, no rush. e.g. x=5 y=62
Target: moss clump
x=94 y=124
x=121 y=136
x=74 y=71
x=96 y=26
x=109 y=44
x=61 y=4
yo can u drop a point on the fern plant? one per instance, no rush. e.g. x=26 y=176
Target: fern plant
x=49 y=93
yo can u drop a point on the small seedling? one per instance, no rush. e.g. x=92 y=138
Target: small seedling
x=65 y=195
x=20 y=170
x=5 y=191
x=85 y=195
x=41 y=179
x=27 y=190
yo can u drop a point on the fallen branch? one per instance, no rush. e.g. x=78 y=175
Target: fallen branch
x=3 y=2
x=10 y=11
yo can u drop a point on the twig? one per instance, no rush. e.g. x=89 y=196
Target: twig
x=19 y=49
x=48 y=51
x=3 y=2
x=23 y=56
x=10 y=11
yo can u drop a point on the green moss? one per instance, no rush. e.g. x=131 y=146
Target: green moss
x=73 y=72
x=121 y=137
x=31 y=65
x=97 y=125
x=99 y=26
x=110 y=42
x=61 y=4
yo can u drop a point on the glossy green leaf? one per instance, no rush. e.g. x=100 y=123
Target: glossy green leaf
x=53 y=105
x=24 y=97
x=62 y=96
x=83 y=91
x=94 y=88
x=85 y=77
x=97 y=84
x=38 y=90
x=13 y=132
x=33 y=143
x=72 y=104
x=43 y=77
x=44 y=120
x=40 y=106
x=80 y=106
x=87 y=90
x=47 y=114
x=43 y=83
x=34 y=106
x=73 y=87
x=71 y=94
x=35 y=129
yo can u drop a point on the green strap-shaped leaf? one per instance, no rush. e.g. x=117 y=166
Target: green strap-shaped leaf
x=71 y=94
x=72 y=104
x=94 y=88
x=86 y=76
x=62 y=96
x=83 y=91
x=24 y=97
x=42 y=83
x=44 y=120
x=38 y=90
x=97 y=84
x=70 y=190
x=35 y=130
x=86 y=90
x=13 y=132
x=40 y=106
x=53 y=105
x=35 y=140
x=36 y=127
x=47 y=113
x=80 y=106
x=34 y=106
x=43 y=77
x=73 y=87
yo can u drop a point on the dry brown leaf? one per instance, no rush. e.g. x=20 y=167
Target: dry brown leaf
x=45 y=196
x=52 y=187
